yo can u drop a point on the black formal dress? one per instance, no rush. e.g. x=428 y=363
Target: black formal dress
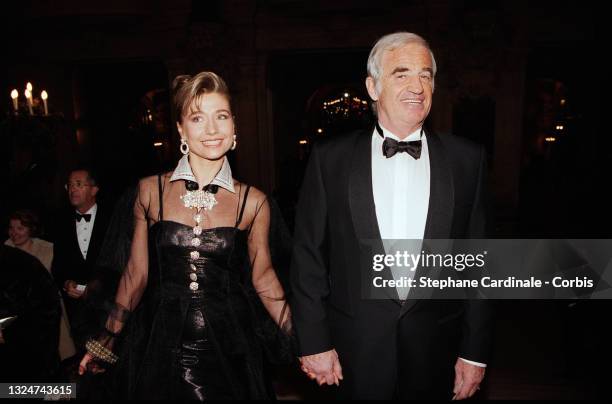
x=199 y=331
x=387 y=348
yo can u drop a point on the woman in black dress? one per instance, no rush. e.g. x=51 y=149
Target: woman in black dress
x=199 y=254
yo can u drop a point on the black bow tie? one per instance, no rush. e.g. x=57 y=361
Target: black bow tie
x=86 y=216
x=391 y=146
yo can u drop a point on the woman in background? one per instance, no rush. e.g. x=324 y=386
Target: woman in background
x=23 y=229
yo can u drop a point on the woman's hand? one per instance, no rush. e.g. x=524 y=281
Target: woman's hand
x=89 y=364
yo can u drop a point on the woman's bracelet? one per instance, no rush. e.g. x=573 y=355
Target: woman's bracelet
x=100 y=352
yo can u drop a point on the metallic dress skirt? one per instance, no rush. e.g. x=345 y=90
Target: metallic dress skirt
x=202 y=377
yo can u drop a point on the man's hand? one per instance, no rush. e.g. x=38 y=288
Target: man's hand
x=323 y=367
x=467 y=379
x=70 y=287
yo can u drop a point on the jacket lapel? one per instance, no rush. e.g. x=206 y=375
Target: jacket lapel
x=96 y=237
x=73 y=241
x=363 y=213
x=441 y=191
x=441 y=201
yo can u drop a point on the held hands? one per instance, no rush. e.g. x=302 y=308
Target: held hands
x=70 y=287
x=323 y=367
x=89 y=364
x=467 y=379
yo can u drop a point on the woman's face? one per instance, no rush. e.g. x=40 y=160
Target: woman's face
x=18 y=233
x=208 y=127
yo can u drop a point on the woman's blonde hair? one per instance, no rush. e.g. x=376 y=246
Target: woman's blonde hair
x=189 y=89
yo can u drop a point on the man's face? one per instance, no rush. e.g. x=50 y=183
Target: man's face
x=81 y=192
x=405 y=88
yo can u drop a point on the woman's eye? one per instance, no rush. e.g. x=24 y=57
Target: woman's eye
x=222 y=116
x=196 y=119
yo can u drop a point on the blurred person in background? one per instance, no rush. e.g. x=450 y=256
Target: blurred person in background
x=24 y=226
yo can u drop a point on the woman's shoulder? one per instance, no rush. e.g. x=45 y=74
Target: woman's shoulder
x=148 y=186
x=256 y=200
x=255 y=195
x=43 y=244
x=153 y=180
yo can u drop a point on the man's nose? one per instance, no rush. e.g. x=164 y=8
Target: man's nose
x=414 y=84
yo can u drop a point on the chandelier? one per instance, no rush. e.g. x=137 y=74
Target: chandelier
x=34 y=105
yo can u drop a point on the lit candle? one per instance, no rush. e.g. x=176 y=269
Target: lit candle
x=44 y=97
x=15 y=96
x=29 y=87
x=28 y=95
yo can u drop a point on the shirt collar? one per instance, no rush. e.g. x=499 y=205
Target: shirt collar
x=223 y=178
x=416 y=135
x=92 y=211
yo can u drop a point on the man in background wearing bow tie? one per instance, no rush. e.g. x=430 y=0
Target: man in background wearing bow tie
x=397 y=181
x=80 y=235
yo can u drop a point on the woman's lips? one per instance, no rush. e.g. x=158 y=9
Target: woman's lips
x=212 y=142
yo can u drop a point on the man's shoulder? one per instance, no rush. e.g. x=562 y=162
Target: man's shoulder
x=342 y=143
x=459 y=145
x=104 y=211
x=63 y=220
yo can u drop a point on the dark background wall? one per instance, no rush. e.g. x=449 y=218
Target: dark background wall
x=108 y=66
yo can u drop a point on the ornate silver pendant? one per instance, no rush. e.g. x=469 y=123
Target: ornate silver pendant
x=199 y=199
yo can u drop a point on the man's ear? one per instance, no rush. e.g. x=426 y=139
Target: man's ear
x=94 y=190
x=371 y=86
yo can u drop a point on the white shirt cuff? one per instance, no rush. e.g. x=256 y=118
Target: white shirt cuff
x=481 y=365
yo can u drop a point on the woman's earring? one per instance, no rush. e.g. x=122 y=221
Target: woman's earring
x=234 y=144
x=184 y=146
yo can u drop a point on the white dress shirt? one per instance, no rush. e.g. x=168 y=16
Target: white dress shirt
x=401 y=197
x=401 y=187
x=84 y=229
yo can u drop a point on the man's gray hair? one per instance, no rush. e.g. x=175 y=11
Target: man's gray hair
x=388 y=43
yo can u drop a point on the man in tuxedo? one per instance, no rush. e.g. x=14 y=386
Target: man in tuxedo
x=394 y=181
x=80 y=235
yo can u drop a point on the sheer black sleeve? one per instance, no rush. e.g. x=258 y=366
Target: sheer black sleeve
x=122 y=267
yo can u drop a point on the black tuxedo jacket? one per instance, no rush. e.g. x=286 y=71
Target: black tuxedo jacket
x=386 y=347
x=68 y=262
